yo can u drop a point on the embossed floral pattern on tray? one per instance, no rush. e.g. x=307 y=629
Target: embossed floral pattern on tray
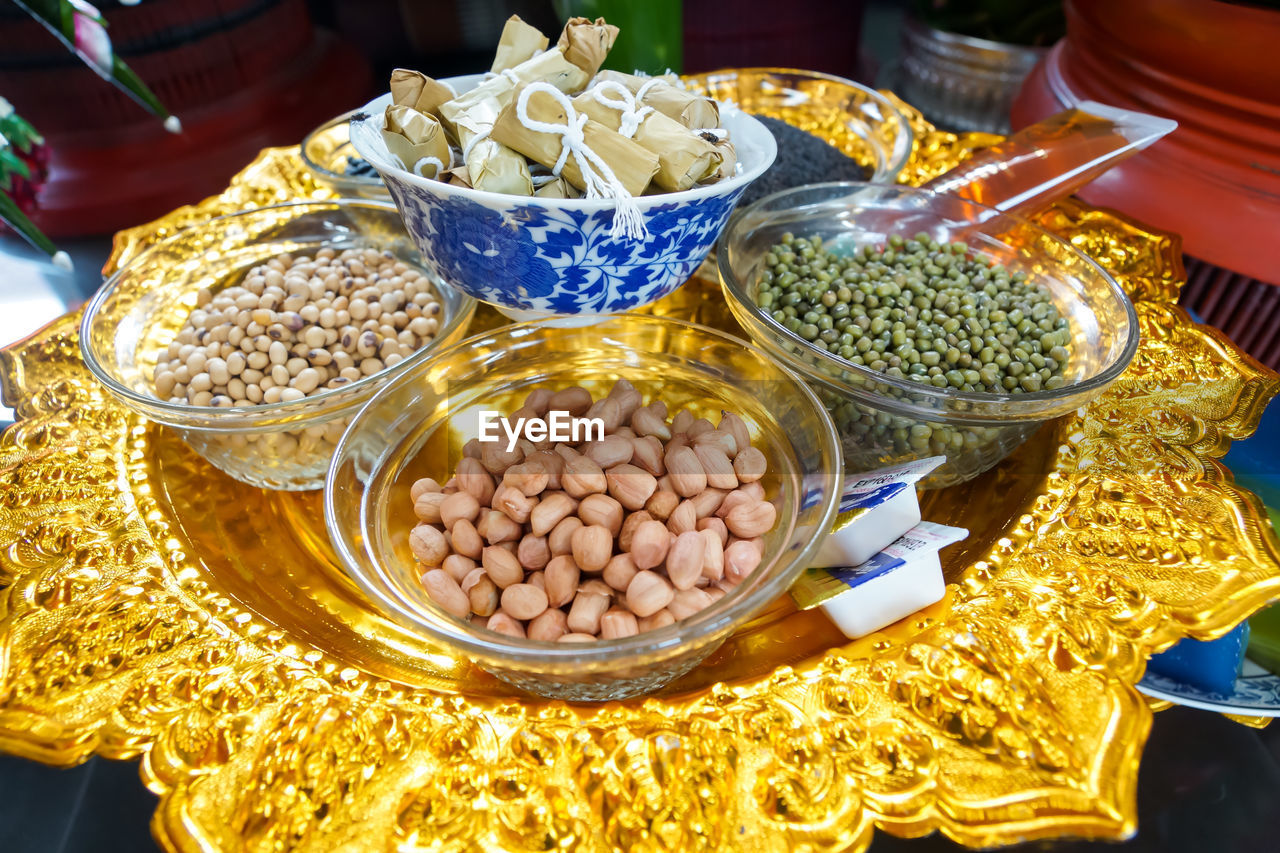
x=151 y=607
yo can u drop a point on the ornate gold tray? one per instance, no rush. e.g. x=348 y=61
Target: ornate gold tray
x=152 y=607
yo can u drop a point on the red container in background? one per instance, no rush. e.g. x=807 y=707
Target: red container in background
x=240 y=74
x=1212 y=67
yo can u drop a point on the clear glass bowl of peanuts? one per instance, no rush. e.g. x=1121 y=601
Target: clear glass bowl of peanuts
x=258 y=335
x=594 y=565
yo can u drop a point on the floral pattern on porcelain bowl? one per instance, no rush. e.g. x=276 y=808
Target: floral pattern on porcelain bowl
x=557 y=256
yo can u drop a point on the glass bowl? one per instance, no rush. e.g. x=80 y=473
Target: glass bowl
x=417 y=425
x=882 y=419
x=135 y=315
x=325 y=151
x=858 y=120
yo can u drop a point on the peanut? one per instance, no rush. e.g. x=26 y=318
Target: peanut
x=717 y=465
x=498 y=528
x=748 y=520
x=501 y=566
x=560 y=540
x=483 y=596
x=684 y=559
x=618 y=623
x=610 y=451
x=682 y=421
x=533 y=552
x=684 y=518
x=749 y=465
x=712 y=555
x=736 y=427
x=538 y=401
x=475 y=480
x=707 y=502
x=582 y=477
x=428 y=545
x=529 y=477
x=422 y=487
x=585 y=613
x=686 y=472
x=458 y=567
x=561 y=577
x=649 y=544
x=717 y=526
x=627 y=397
x=619 y=571
x=552 y=463
x=592 y=546
x=630 y=485
x=549 y=626
x=629 y=526
x=720 y=438
x=576 y=637
x=504 y=624
x=602 y=510
x=648 y=593
x=648 y=422
x=687 y=602
x=523 y=601
x=575 y=401
x=662 y=503
x=513 y=503
x=427 y=507
x=495 y=457
x=550 y=511
x=458 y=506
x=661 y=619
x=445 y=592
x=466 y=539
x=646 y=453
x=741 y=558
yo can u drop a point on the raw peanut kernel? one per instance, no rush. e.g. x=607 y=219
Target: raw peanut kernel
x=533 y=552
x=684 y=518
x=687 y=475
x=529 y=477
x=466 y=539
x=631 y=486
x=628 y=398
x=538 y=401
x=661 y=619
x=713 y=555
x=736 y=427
x=552 y=463
x=648 y=422
x=716 y=525
x=684 y=559
x=687 y=602
x=592 y=547
x=548 y=513
x=427 y=507
x=523 y=601
x=513 y=503
x=483 y=597
x=575 y=401
x=475 y=480
x=582 y=477
x=504 y=624
x=649 y=544
x=741 y=558
x=619 y=571
x=698 y=427
x=496 y=458
x=662 y=503
x=648 y=593
x=646 y=453
x=584 y=615
x=718 y=467
x=731 y=500
x=682 y=421
x=718 y=438
x=609 y=451
x=498 y=528
x=748 y=520
x=428 y=545
x=502 y=566
x=445 y=592
x=560 y=539
x=599 y=587
x=629 y=526
x=457 y=506
x=749 y=465
x=459 y=567
x=561 y=578
x=602 y=510
x=549 y=626
x=421 y=487
x=754 y=490
x=706 y=503
x=575 y=637
x=618 y=623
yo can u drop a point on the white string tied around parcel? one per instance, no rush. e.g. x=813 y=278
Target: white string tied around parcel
x=631 y=113
x=598 y=179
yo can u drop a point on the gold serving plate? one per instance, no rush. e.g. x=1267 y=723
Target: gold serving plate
x=153 y=607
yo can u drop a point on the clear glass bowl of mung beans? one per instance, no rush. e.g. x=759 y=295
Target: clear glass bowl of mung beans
x=167 y=340
x=927 y=324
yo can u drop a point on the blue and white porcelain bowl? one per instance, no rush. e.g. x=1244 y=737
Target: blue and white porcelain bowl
x=533 y=256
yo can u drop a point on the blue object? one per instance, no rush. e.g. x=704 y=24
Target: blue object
x=1211 y=665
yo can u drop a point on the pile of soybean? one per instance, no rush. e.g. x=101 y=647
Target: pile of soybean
x=917 y=309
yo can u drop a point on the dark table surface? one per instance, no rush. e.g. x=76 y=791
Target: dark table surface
x=1207 y=784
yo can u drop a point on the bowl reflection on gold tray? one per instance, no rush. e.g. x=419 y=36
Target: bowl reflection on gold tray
x=153 y=606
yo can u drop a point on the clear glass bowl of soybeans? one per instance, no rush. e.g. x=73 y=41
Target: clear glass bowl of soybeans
x=263 y=391
x=419 y=425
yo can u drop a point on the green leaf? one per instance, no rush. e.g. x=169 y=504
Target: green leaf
x=13 y=216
